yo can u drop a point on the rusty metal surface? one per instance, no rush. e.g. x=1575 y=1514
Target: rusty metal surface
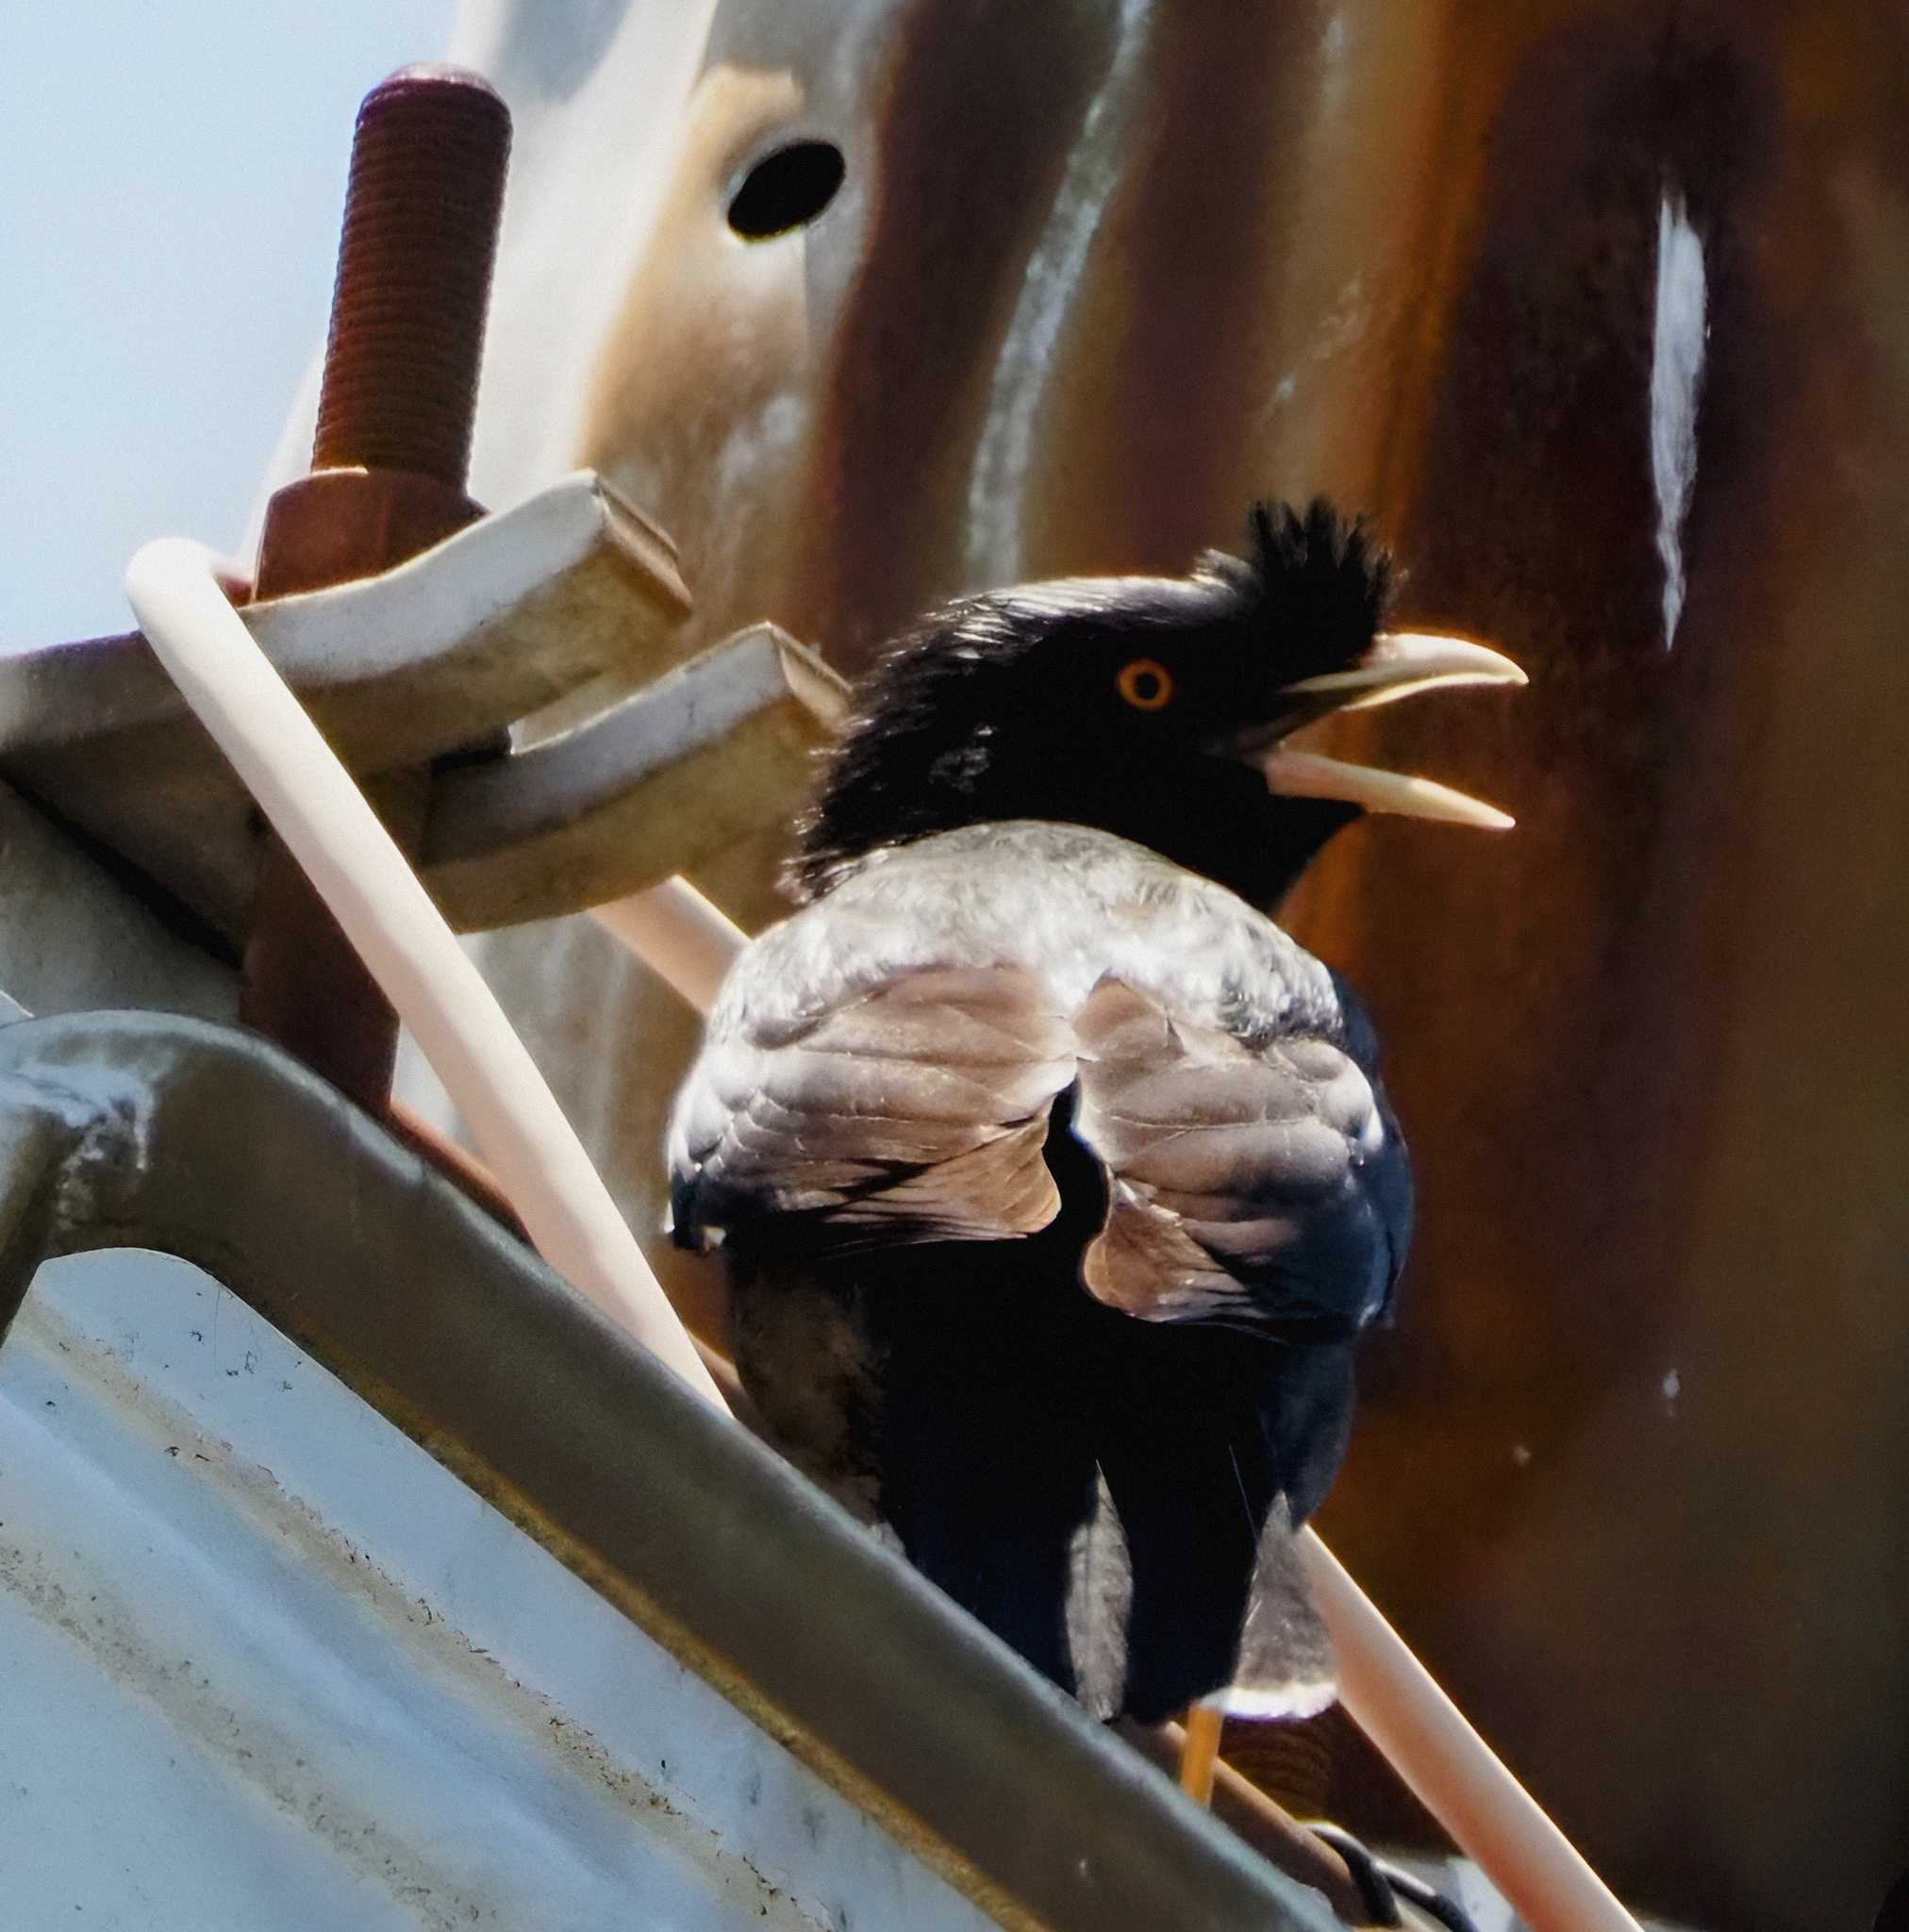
x=1583 y=302
x=1266 y=1827
x=423 y=199
x=167 y=1133
x=336 y=525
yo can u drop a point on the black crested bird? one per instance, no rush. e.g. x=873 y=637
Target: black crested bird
x=1053 y=1180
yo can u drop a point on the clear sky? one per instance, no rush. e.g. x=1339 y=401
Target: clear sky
x=173 y=173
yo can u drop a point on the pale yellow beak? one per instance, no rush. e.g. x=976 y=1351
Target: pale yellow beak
x=1400 y=665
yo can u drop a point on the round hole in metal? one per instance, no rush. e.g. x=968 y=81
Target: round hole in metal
x=786 y=190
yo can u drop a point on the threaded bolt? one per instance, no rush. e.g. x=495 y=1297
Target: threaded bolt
x=1292 y=1763
x=421 y=219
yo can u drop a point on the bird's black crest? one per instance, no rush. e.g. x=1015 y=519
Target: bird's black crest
x=1316 y=582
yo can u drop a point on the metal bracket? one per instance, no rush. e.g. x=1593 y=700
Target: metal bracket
x=656 y=785
x=571 y=591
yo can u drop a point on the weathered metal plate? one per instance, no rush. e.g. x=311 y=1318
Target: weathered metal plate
x=263 y=1661
x=494 y=625
x=667 y=779
x=72 y=936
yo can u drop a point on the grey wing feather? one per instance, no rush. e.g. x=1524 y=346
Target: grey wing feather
x=1100 y=1594
x=912 y=1111
x=1261 y=1183
x=889 y=1100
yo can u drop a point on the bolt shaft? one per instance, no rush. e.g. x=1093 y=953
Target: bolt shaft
x=422 y=211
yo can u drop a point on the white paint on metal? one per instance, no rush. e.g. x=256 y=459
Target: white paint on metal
x=574 y=819
x=73 y=938
x=1336 y=44
x=262 y=1662
x=489 y=626
x=1676 y=378
x=996 y=486
x=496 y=624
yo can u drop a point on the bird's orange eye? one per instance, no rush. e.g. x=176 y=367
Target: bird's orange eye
x=1146 y=684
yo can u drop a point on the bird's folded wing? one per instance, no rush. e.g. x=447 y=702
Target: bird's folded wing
x=1261 y=1183
x=911 y=1111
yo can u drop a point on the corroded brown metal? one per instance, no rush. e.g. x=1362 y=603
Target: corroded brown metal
x=1633 y=1466
x=1289 y=1762
x=396 y=407
x=421 y=210
x=340 y=524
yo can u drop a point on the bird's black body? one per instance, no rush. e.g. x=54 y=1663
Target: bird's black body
x=1055 y=1181
x=1003 y=1383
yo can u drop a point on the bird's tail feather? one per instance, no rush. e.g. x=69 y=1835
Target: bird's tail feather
x=1284 y=1667
x=1100 y=1591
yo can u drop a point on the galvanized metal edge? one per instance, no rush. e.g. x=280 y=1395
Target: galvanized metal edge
x=152 y=1130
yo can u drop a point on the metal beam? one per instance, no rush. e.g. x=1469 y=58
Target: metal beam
x=157 y=1131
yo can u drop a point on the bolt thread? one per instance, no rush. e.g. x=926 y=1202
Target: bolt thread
x=420 y=218
x=1292 y=1763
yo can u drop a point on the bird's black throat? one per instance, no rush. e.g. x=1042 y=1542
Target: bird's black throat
x=1210 y=814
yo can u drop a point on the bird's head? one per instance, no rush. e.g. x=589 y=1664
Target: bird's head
x=1162 y=709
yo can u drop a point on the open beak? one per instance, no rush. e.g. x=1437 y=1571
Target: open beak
x=1399 y=665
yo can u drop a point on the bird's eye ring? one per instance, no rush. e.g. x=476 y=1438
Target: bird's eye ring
x=1146 y=684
